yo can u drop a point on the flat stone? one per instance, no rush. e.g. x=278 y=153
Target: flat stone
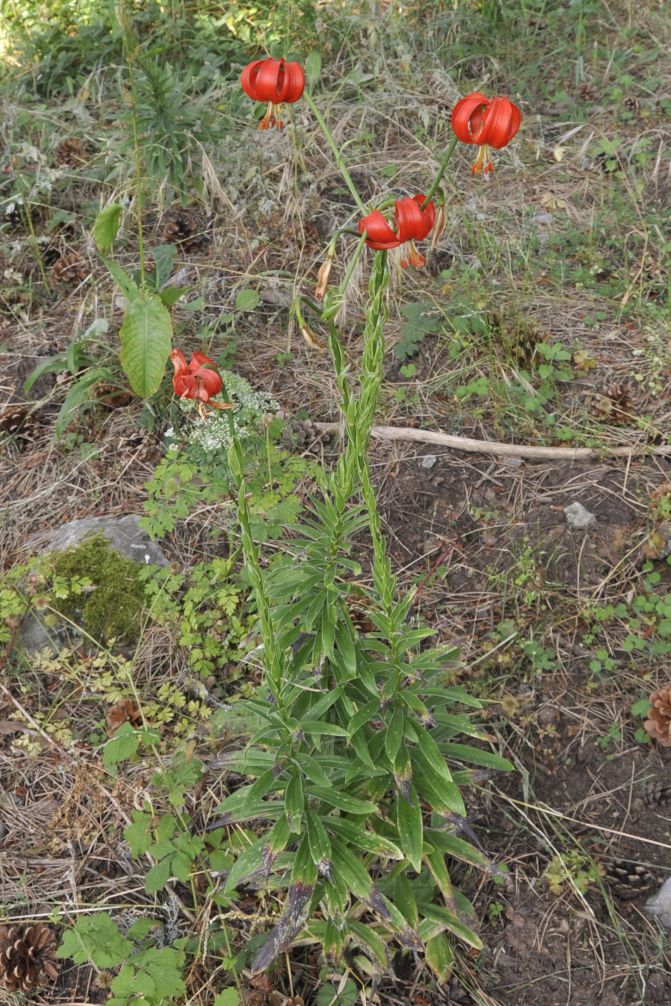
x=579 y=517
x=124 y=535
x=659 y=905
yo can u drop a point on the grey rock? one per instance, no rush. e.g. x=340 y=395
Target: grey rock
x=123 y=533
x=659 y=905
x=429 y=460
x=579 y=517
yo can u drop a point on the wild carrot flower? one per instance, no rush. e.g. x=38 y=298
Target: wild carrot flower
x=486 y=122
x=273 y=81
x=412 y=224
x=198 y=379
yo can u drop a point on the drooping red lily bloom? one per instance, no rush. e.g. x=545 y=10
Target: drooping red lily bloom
x=198 y=379
x=412 y=224
x=487 y=122
x=274 y=81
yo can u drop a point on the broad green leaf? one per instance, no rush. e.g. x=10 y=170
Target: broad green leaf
x=410 y=828
x=247 y=300
x=138 y=833
x=171 y=294
x=164 y=258
x=106 y=226
x=440 y=958
x=146 y=335
x=313 y=65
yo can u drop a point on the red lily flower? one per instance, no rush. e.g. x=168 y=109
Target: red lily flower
x=487 y=122
x=412 y=224
x=274 y=81
x=197 y=379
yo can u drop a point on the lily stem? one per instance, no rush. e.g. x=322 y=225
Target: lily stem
x=339 y=159
x=441 y=171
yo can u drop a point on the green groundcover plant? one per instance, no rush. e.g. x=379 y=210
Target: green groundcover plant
x=348 y=789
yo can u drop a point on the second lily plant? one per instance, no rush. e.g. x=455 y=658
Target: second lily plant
x=360 y=742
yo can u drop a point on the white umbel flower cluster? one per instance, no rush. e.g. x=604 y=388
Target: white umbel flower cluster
x=212 y=432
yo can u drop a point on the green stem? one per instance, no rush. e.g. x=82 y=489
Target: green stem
x=340 y=161
x=272 y=655
x=441 y=171
x=130 y=48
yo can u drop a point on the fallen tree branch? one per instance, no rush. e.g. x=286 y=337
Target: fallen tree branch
x=505 y=450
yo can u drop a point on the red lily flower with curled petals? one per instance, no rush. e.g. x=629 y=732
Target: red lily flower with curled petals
x=274 y=81
x=412 y=224
x=198 y=379
x=487 y=122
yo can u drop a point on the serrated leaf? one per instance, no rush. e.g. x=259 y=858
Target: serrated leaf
x=106 y=226
x=146 y=336
x=158 y=877
x=229 y=997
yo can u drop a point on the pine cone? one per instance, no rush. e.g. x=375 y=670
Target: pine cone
x=627 y=880
x=70 y=267
x=125 y=711
x=615 y=405
x=185 y=227
x=631 y=103
x=70 y=153
x=658 y=723
x=587 y=91
x=27 y=957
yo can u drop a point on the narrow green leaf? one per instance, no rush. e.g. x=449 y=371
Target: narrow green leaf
x=394 y=735
x=247 y=863
x=343 y=801
x=146 y=335
x=106 y=226
x=318 y=840
x=410 y=828
x=355 y=834
x=370 y=941
x=294 y=803
x=450 y=921
x=363 y=716
x=351 y=870
x=318 y=727
x=456 y=847
x=476 y=756
x=439 y=957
